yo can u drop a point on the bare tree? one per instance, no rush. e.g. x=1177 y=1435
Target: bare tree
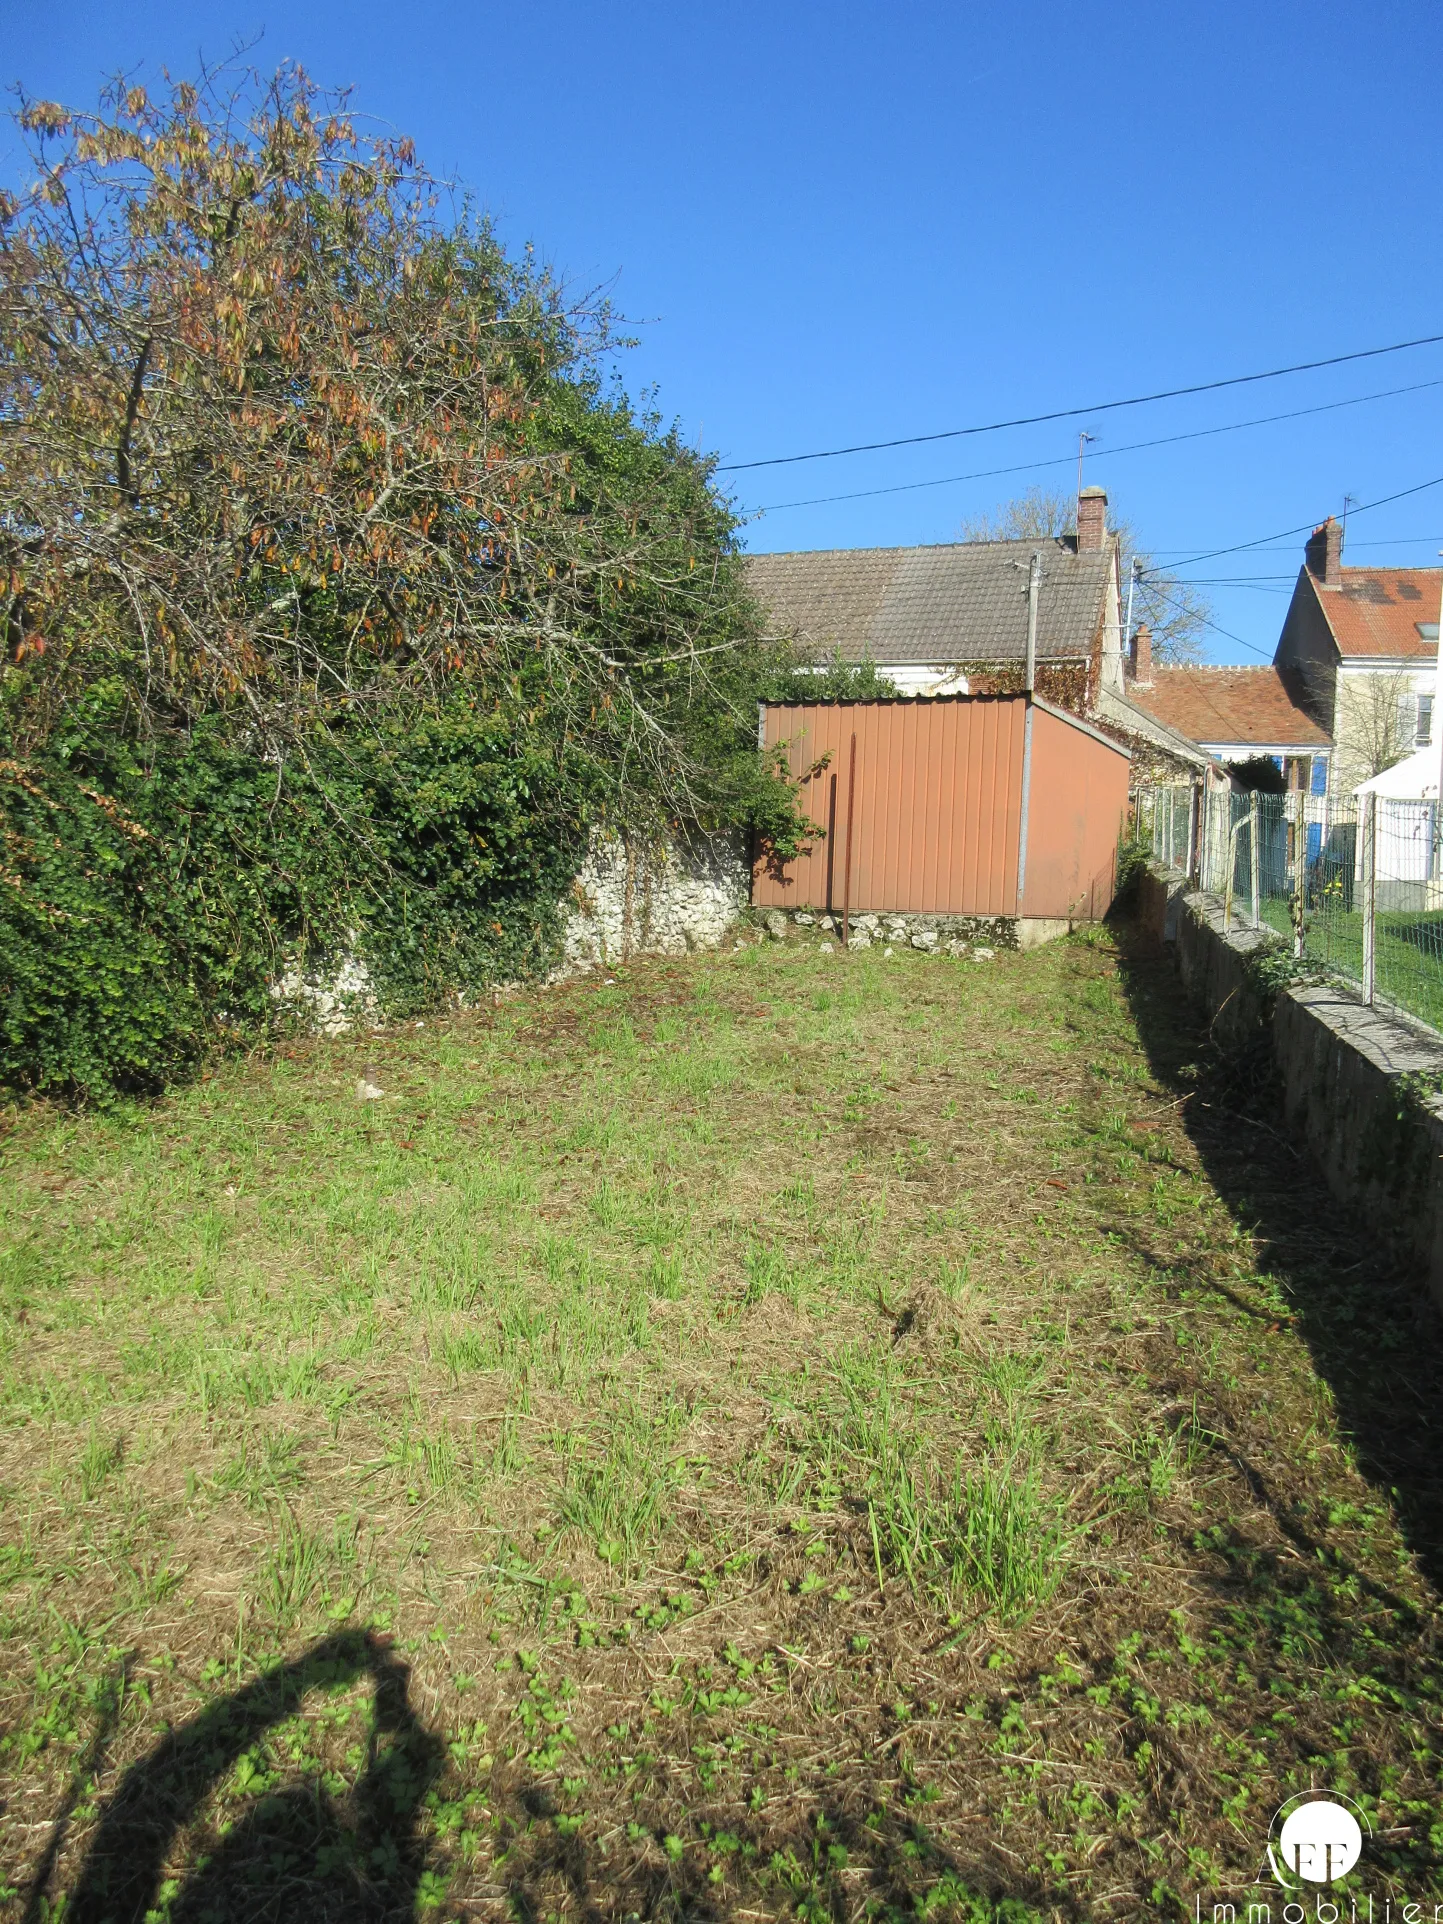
x=1041 y=514
x=1377 y=723
x=1174 y=610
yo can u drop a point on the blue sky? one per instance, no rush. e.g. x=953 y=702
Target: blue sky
x=844 y=223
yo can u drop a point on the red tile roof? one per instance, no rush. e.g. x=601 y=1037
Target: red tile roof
x=1376 y=611
x=1234 y=706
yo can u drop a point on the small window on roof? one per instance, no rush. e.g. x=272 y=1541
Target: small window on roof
x=1427 y=630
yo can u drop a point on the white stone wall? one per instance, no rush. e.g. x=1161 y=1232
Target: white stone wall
x=333 y=1003
x=648 y=898
x=631 y=898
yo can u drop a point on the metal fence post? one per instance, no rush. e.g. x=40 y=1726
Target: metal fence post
x=1207 y=867
x=1232 y=869
x=1253 y=855
x=1370 y=873
x=1205 y=857
x=1194 y=797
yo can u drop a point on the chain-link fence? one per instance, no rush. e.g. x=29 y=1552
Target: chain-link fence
x=1356 y=885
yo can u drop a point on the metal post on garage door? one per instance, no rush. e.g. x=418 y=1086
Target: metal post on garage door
x=847 y=866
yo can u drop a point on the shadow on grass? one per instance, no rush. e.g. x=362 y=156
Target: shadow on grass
x=295 y=1852
x=300 y=1854
x=1373 y=1333
x=830 y=1861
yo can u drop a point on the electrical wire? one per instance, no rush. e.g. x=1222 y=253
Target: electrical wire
x=1305 y=527
x=1066 y=414
x=1067 y=460
x=1394 y=541
x=1208 y=622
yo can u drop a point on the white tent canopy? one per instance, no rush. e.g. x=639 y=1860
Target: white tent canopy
x=1413 y=779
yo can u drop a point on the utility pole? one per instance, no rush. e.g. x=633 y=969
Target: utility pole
x=1034 y=585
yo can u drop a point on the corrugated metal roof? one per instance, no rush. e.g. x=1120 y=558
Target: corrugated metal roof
x=963 y=601
x=942 y=701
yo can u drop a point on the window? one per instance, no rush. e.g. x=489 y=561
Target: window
x=1415 y=721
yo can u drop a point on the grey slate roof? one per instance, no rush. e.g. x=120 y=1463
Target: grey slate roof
x=962 y=601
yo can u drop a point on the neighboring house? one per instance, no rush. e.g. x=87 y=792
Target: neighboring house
x=1242 y=717
x=1360 y=647
x=952 y=619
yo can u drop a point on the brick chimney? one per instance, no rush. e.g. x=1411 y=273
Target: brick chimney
x=1139 y=653
x=1324 y=553
x=1091 y=520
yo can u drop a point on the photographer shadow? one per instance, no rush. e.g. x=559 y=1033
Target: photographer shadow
x=299 y=1852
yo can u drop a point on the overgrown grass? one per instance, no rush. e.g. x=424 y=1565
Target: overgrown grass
x=777 y=1433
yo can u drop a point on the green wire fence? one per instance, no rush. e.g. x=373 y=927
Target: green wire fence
x=1354 y=884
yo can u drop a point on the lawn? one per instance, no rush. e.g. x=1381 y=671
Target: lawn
x=1407 y=966
x=774 y=1434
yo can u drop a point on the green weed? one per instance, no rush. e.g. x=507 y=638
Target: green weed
x=99 y=1460
x=618 y=1491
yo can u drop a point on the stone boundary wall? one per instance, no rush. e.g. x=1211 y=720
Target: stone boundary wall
x=635 y=897
x=978 y=936
x=1357 y=1085
x=934 y=932
x=630 y=898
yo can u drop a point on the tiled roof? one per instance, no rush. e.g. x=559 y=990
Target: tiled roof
x=1232 y=706
x=964 y=601
x=1376 y=611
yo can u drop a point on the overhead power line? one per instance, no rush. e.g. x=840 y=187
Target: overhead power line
x=1066 y=460
x=1208 y=622
x=1305 y=527
x=1096 y=407
x=1397 y=541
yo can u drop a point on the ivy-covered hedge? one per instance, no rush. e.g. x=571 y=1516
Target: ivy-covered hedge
x=150 y=900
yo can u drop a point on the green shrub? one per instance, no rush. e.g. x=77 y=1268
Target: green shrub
x=151 y=900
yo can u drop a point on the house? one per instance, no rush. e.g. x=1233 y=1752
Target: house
x=939 y=620
x=1253 y=720
x=952 y=619
x=1360 y=647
